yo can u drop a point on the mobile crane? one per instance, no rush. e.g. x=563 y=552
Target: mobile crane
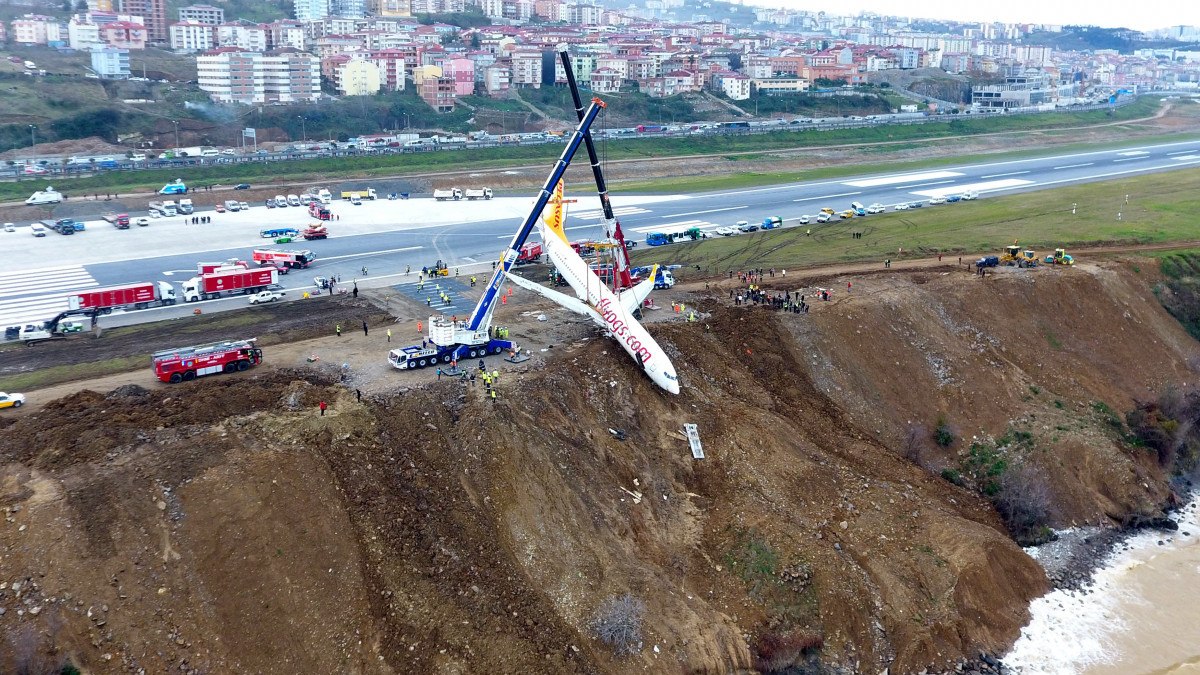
x=449 y=339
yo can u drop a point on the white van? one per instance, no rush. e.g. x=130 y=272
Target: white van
x=280 y=201
x=293 y=200
x=38 y=229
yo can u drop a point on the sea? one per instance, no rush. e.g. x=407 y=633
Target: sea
x=1141 y=616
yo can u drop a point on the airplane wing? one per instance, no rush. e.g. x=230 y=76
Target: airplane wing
x=573 y=304
x=632 y=298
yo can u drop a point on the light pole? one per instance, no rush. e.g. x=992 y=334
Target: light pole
x=303 y=129
x=32 y=135
x=176 y=123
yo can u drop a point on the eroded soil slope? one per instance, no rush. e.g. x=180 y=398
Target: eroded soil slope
x=228 y=527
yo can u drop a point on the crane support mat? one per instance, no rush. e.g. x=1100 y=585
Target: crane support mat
x=517 y=358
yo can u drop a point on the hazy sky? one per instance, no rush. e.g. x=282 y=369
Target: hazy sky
x=1141 y=15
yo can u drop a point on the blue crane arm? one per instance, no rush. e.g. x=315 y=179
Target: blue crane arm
x=483 y=310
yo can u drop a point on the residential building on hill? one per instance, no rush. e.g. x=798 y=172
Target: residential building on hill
x=230 y=75
x=110 y=63
x=154 y=13
x=213 y=16
x=311 y=10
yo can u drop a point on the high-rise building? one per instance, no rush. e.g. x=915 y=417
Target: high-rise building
x=110 y=63
x=311 y=10
x=389 y=7
x=348 y=9
x=154 y=14
x=101 y=5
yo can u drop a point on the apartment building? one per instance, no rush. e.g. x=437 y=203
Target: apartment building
x=497 y=78
x=311 y=10
x=438 y=92
x=389 y=7
x=192 y=36
x=583 y=15
x=735 y=85
x=125 y=34
x=243 y=35
x=605 y=81
x=230 y=75
x=286 y=33
x=357 y=77
x=35 y=29
x=213 y=16
x=438 y=6
x=348 y=9
x=110 y=63
x=82 y=34
x=153 y=13
x=392 y=65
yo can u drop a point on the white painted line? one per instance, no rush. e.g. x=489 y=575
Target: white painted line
x=843 y=194
x=937 y=182
x=366 y=253
x=4 y=275
x=1109 y=174
x=905 y=178
x=469 y=259
x=1132 y=153
x=1179 y=152
x=1002 y=175
x=64 y=286
x=1130 y=159
x=1073 y=166
x=1185 y=158
x=697 y=213
x=977 y=187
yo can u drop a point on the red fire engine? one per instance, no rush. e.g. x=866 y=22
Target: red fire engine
x=188 y=363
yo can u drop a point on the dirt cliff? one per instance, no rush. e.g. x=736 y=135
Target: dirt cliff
x=227 y=527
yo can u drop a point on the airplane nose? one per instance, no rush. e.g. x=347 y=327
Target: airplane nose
x=669 y=381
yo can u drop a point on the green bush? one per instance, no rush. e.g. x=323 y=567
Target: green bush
x=943 y=434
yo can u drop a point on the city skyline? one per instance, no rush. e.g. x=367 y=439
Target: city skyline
x=1149 y=15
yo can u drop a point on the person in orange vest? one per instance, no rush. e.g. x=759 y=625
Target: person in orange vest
x=419 y=326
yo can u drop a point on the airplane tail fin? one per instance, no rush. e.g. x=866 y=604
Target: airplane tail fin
x=556 y=213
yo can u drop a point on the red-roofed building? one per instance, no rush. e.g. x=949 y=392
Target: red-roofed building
x=124 y=34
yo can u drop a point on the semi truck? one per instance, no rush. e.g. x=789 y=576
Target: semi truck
x=291 y=259
x=319 y=212
x=183 y=364
x=232 y=263
x=479 y=193
x=228 y=280
x=127 y=296
x=118 y=220
x=366 y=193
x=443 y=195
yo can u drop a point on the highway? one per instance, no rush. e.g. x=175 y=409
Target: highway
x=387 y=236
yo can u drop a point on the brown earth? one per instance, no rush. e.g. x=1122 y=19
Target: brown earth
x=225 y=526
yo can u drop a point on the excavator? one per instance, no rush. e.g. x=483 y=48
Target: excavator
x=1012 y=254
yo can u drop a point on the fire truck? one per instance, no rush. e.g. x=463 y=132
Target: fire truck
x=319 y=212
x=188 y=363
x=530 y=253
x=277 y=257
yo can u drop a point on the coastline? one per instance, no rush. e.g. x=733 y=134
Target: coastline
x=1079 y=626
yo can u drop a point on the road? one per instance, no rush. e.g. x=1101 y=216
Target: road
x=386 y=237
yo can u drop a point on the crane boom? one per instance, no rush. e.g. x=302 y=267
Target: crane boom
x=481 y=316
x=601 y=186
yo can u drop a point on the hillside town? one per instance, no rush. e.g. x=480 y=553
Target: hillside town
x=364 y=47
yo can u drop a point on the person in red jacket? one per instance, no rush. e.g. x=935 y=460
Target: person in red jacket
x=322 y=406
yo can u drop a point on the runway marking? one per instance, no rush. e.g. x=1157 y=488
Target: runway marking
x=1073 y=166
x=907 y=178
x=977 y=187
x=1002 y=175
x=841 y=194
x=697 y=213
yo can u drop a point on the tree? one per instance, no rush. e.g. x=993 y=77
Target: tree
x=475 y=41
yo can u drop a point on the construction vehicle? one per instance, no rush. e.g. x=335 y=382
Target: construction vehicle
x=1059 y=257
x=1012 y=254
x=54 y=329
x=1028 y=258
x=451 y=339
x=227 y=280
x=187 y=363
x=478 y=193
x=438 y=269
x=443 y=195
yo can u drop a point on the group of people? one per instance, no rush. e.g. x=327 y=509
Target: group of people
x=755 y=276
x=784 y=301
x=200 y=220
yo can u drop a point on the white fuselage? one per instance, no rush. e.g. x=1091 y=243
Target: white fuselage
x=606 y=309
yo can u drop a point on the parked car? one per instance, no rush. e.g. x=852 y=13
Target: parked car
x=745 y=226
x=953 y=198
x=916 y=204
x=270 y=203
x=725 y=230
x=823 y=217
x=38 y=229
x=9 y=227
x=903 y=206
x=143 y=221
x=11 y=400
x=242 y=186
x=876 y=208
x=265 y=296
x=219 y=208
x=969 y=195
x=803 y=220
x=937 y=200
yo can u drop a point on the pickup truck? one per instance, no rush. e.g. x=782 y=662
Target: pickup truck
x=265 y=296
